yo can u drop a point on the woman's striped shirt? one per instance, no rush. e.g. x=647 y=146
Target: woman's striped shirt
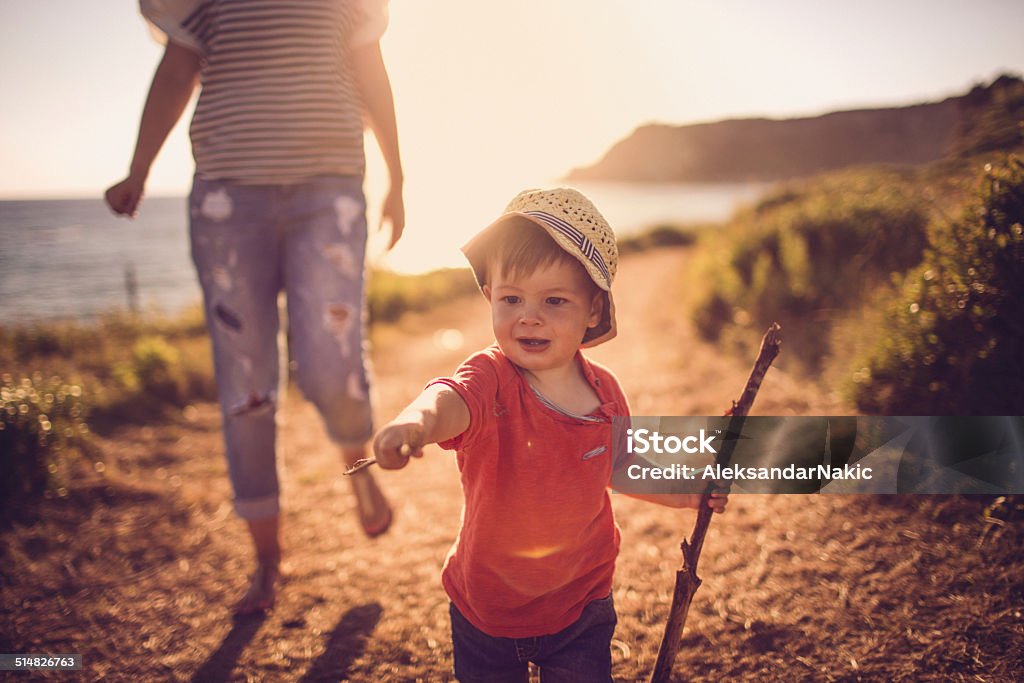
x=278 y=102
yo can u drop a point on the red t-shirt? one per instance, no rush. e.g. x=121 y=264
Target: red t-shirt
x=538 y=539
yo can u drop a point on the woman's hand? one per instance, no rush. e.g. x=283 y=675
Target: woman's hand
x=393 y=211
x=124 y=197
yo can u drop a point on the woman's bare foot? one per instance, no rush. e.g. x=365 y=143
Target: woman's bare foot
x=372 y=507
x=262 y=590
x=375 y=514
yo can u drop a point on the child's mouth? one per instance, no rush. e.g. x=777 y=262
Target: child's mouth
x=531 y=344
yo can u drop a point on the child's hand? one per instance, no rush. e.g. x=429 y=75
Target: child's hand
x=718 y=501
x=396 y=443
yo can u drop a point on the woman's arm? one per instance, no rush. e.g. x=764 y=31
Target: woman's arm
x=375 y=88
x=173 y=83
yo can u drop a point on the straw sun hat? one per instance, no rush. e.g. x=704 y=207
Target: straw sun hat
x=575 y=224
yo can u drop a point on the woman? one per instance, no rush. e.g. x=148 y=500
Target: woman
x=277 y=206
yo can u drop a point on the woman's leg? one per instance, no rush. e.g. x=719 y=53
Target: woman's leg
x=235 y=251
x=262 y=590
x=324 y=248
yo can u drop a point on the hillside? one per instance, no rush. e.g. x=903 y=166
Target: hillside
x=768 y=149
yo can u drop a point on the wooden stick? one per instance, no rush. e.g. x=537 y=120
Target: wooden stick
x=687 y=581
x=360 y=465
x=363 y=463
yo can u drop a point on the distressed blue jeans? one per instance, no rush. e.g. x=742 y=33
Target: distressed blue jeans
x=250 y=243
x=579 y=652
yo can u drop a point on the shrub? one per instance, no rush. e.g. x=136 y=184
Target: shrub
x=659 y=236
x=956 y=329
x=153 y=377
x=990 y=118
x=806 y=255
x=42 y=425
x=390 y=294
x=37 y=339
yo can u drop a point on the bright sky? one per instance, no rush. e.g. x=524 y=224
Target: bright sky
x=508 y=93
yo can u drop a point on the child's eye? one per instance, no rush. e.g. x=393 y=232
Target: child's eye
x=556 y=300
x=510 y=299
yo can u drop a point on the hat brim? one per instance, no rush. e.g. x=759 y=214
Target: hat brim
x=604 y=330
x=475 y=251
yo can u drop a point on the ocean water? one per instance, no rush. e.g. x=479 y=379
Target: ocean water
x=71 y=258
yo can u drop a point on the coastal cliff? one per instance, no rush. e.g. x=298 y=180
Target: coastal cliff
x=986 y=117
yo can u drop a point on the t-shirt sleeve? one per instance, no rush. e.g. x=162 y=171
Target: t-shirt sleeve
x=620 y=418
x=371 y=22
x=615 y=393
x=476 y=381
x=184 y=22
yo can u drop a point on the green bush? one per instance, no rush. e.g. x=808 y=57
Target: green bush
x=955 y=333
x=133 y=367
x=991 y=118
x=659 y=236
x=59 y=338
x=158 y=374
x=42 y=425
x=806 y=255
x=391 y=294
x=156 y=364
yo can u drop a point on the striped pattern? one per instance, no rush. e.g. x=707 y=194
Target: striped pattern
x=562 y=411
x=585 y=246
x=278 y=104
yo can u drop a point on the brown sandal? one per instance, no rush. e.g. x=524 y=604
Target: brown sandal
x=375 y=514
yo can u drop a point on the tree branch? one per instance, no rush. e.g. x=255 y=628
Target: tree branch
x=687 y=581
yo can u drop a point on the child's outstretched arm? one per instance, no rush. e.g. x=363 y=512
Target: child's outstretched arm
x=437 y=414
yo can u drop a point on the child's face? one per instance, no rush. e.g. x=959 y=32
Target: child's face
x=539 y=319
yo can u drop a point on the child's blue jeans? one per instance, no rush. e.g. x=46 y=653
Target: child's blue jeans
x=249 y=244
x=579 y=652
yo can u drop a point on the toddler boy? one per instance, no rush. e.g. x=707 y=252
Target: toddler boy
x=530 y=575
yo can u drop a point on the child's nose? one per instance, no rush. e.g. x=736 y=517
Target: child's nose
x=530 y=315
